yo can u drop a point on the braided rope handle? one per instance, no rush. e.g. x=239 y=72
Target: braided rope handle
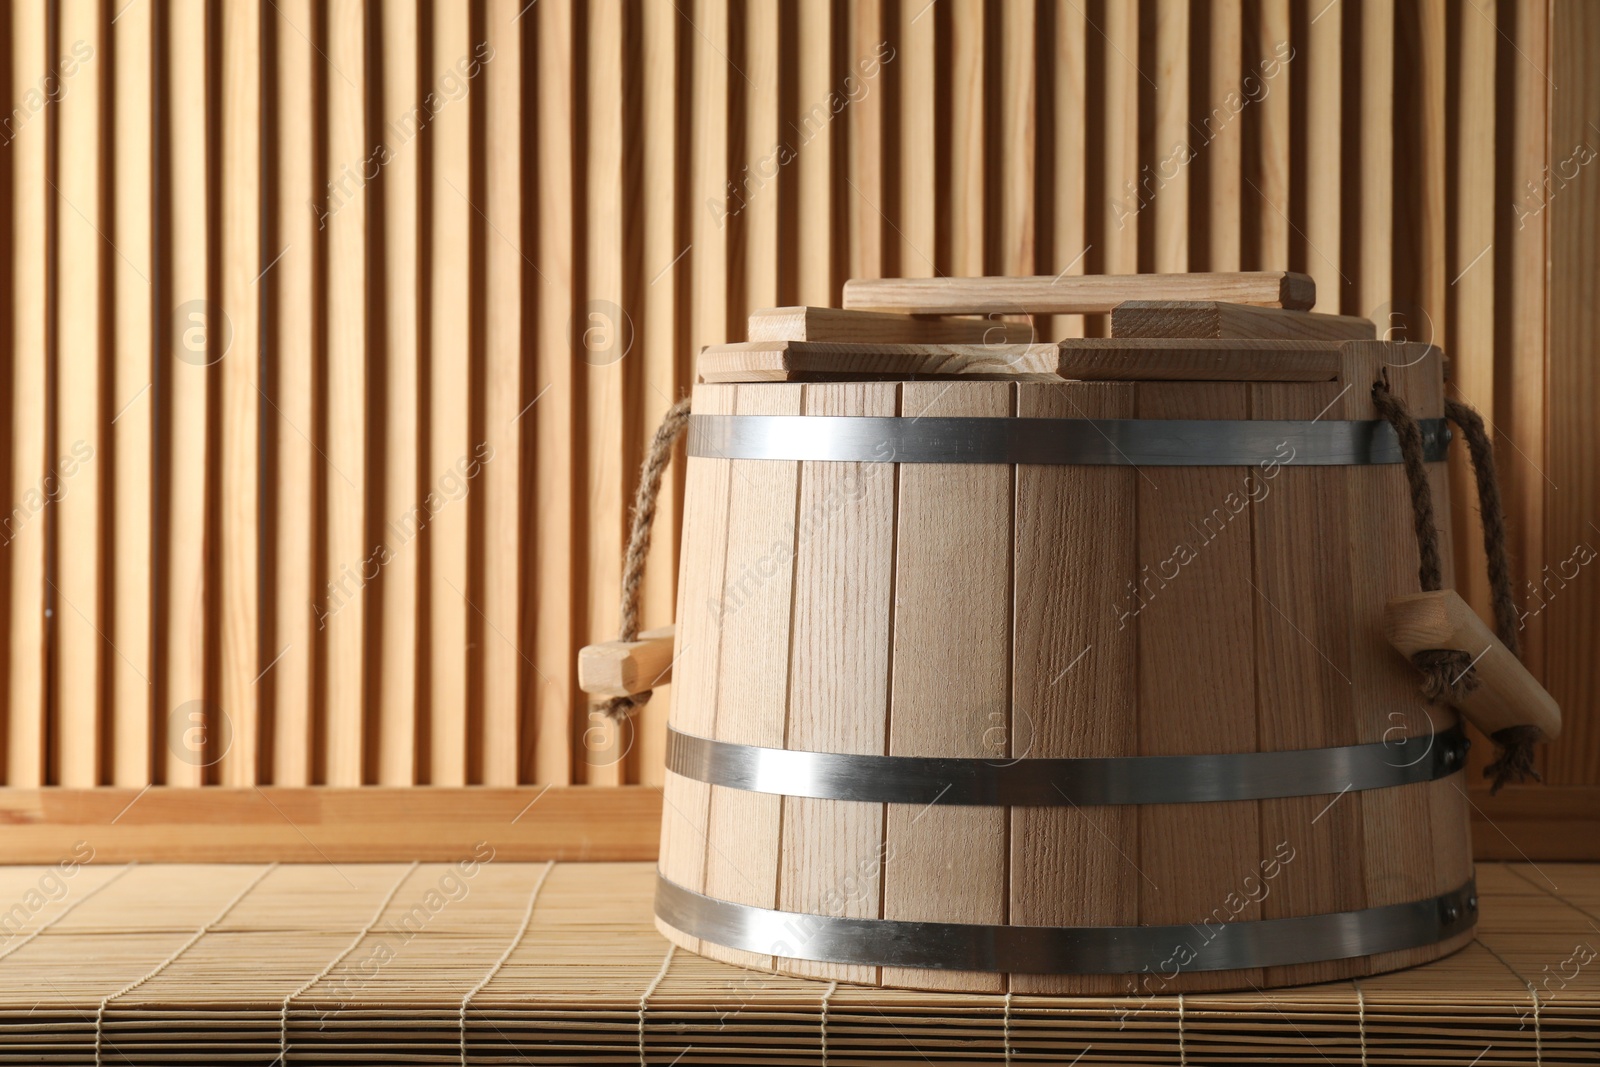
x=1454 y=675
x=673 y=423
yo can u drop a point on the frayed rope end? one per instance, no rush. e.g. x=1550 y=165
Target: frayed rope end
x=1513 y=762
x=1447 y=674
x=620 y=708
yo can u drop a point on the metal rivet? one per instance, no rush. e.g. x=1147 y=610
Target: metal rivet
x=1451 y=913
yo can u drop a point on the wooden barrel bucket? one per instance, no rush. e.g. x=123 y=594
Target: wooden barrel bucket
x=1089 y=694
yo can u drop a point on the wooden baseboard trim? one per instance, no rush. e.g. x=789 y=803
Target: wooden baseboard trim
x=327 y=824
x=1537 y=822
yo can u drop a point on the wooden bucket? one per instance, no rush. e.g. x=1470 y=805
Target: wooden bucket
x=1061 y=686
x=1005 y=613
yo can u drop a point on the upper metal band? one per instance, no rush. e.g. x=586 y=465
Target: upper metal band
x=1212 y=944
x=1094 y=442
x=1080 y=781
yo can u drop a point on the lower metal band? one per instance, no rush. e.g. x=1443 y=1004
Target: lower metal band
x=1059 y=782
x=1211 y=944
x=1092 y=442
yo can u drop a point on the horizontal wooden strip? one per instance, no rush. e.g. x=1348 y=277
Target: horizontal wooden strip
x=838 y=324
x=298 y=824
x=1080 y=294
x=1537 y=822
x=1114 y=359
x=1183 y=318
x=790 y=361
x=1091 y=359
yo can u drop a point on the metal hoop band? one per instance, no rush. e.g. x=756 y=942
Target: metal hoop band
x=1211 y=944
x=1091 y=442
x=1059 y=782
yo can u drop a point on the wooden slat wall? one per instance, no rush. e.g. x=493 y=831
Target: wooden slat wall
x=334 y=333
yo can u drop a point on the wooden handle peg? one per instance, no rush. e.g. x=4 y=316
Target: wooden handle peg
x=623 y=668
x=1507 y=695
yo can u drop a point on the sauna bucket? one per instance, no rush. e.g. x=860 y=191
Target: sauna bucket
x=1061 y=686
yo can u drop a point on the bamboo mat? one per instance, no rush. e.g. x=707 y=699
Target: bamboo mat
x=538 y=963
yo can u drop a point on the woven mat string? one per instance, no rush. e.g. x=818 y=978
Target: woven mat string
x=1448 y=674
x=673 y=423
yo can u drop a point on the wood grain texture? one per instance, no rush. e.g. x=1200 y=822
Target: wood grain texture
x=867 y=327
x=1086 y=358
x=1573 y=387
x=1397 y=831
x=78 y=652
x=1304 y=690
x=1195 y=612
x=133 y=421
x=1074 y=687
x=623 y=668
x=951 y=675
x=349 y=353
x=395 y=696
x=1507 y=695
x=291 y=693
x=242 y=259
x=686 y=803
x=27 y=439
x=292 y=824
x=226 y=153
x=184 y=708
x=755 y=610
x=834 y=852
x=1153 y=318
x=1070 y=294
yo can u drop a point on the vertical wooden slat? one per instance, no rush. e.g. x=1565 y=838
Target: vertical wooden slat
x=752 y=691
x=1120 y=123
x=1470 y=271
x=1168 y=173
x=875 y=64
x=1073 y=680
x=686 y=803
x=346 y=531
x=132 y=397
x=193 y=334
x=602 y=336
x=453 y=356
x=658 y=337
x=401 y=509
x=1323 y=152
x=1522 y=238
x=1070 y=208
x=1302 y=665
x=1268 y=171
x=556 y=499
x=1376 y=177
x=1223 y=124
x=811 y=218
x=240 y=258
x=24 y=525
x=1196 y=671
x=78 y=649
x=499 y=85
x=965 y=213
x=952 y=546
x=293 y=353
x=834 y=851
x=762 y=182
x=1018 y=78
x=1574 y=388
x=919 y=138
